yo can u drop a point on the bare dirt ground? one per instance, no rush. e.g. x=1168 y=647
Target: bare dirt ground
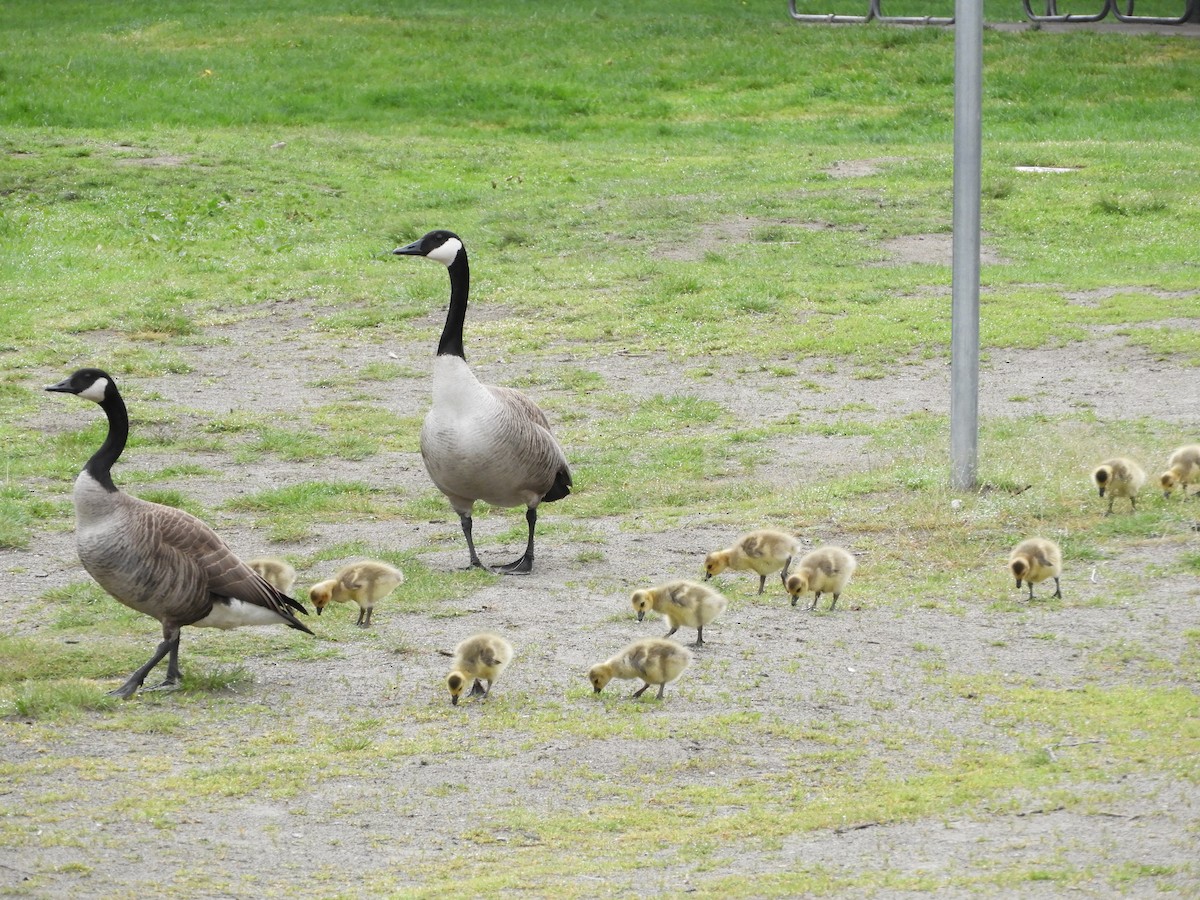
x=348 y=834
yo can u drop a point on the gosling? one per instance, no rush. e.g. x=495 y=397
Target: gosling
x=824 y=570
x=763 y=551
x=1183 y=468
x=366 y=583
x=480 y=658
x=682 y=603
x=277 y=573
x=1119 y=477
x=1034 y=560
x=654 y=660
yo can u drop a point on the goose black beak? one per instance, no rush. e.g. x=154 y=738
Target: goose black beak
x=413 y=249
x=63 y=387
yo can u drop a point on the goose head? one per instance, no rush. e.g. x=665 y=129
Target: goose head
x=1019 y=568
x=441 y=245
x=715 y=563
x=642 y=601
x=600 y=675
x=796 y=585
x=91 y=384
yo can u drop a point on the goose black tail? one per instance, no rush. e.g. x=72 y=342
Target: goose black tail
x=562 y=486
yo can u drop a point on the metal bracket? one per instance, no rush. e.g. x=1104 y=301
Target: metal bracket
x=1189 y=12
x=830 y=17
x=1053 y=15
x=877 y=11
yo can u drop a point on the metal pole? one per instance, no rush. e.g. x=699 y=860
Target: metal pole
x=964 y=317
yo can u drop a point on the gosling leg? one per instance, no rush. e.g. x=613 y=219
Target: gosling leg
x=1057 y=589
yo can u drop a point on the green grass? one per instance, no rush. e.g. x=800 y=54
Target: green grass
x=636 y=182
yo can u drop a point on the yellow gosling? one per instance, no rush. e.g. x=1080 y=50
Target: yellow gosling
x=1033 y=561
x=1183 y=468
x=480 y=658
x=365 y=583
x=277 y=573
x=763 y=551
x=826 y=570
x=682 y=603
x=654 y=660
x=1119 y=477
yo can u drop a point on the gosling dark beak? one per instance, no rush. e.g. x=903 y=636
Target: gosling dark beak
x=454 y=700
x=641 y=615
x=1101 y=490
x=707 y=575
x=1018 y=583
x=596 y=691
x=794 y=599
x=319 y=608
x=413 y=249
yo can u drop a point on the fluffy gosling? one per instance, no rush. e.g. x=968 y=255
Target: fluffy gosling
x=1119 y=477
x=824 y=570
x=1183 y=468
x=763 y=551
x=277 y=573
x=654 y=660
x=1034 y=560
x=682 y=603
x=480 y=658
x=366 y=583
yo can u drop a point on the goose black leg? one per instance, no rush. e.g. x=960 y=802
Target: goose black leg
x=699 y=637
x=1057 y=589
x=169 y=645
x=523 y=565
x=762 y=583
x=466 y=523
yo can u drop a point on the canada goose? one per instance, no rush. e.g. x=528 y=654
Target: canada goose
x=156 y=559
x=683 y=603
x=1183 y=468
x=654 y=660
x=278 y=573
x=1033 y=561
x=1119 y=477
x=365 y=583
x=482 y=442
x=824 y=570
x=483 y=657
x=763 y=551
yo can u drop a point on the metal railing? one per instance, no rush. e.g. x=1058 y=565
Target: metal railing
x=874 y=11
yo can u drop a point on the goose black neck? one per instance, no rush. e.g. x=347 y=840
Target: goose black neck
x=101 y=463
x=451 y=343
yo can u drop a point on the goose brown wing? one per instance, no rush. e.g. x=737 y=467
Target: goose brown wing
x=193 y=543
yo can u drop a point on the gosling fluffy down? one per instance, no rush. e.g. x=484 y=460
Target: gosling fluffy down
x=480 y=658
x=1119 y=477
x=826 y=570
x=682 y=603
x=277 y=573
x=1183 y=468
x=1035 y=560
x=763 y=551
x=654 y=660
x=366 y=583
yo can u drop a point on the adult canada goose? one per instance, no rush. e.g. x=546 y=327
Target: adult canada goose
x=278 y=573
x=156 y=559
x=1033 y=561
x=654 y=660
x=1119 y=477
x=682 y=603
x=482 y=442
x=365 y=583
x=482 y=657
x=1183 y=468
x=826 y=570
x=763 y=551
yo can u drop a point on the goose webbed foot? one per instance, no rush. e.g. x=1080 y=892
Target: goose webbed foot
x=127 y=690
x=522 y=566
x=166 y=685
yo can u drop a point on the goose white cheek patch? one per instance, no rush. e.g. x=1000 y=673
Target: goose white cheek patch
x=446 y=253
x=96 y=390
